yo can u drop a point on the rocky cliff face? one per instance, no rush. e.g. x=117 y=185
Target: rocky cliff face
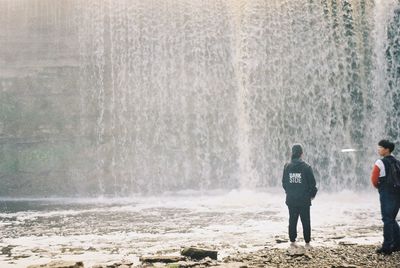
x=39 y=96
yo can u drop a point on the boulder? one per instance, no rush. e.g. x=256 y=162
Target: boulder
x=198 y=253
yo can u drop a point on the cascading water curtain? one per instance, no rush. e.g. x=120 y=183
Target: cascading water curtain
x=308 y=73
x=159 y=83
x=392 y=54
x=211 y=94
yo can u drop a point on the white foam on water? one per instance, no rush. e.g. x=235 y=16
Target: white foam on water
x=231 y=221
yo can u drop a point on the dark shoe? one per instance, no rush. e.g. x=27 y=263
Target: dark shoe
x=395 y=249
x=384 y=251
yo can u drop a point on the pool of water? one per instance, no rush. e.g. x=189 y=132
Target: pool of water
x=102 y=230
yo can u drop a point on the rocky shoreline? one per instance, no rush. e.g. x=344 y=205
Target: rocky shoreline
x=341 y=256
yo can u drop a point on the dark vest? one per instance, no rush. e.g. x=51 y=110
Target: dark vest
x=383 y=185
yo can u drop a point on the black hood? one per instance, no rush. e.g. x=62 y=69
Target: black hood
x=297 y=162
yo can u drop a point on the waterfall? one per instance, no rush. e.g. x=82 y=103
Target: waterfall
x=252 y=77
x=182 y=94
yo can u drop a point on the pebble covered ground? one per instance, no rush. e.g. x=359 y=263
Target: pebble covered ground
x=343 y=256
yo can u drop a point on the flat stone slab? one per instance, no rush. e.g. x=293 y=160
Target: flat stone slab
x=164 y=259
x=59 y=264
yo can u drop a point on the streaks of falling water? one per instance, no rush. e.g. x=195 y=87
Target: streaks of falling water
x=212 y=94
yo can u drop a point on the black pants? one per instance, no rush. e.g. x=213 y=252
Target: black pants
x=390 y=205
x=304 y=213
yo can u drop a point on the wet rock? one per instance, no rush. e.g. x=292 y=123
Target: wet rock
x=209 y=262
x=337 y=237
x=21 y=256
x=203 y=263
x=127 y=263
x=345 y=266
x=308 y=255
x=345 y=243
x=198 y=253
x=163 y=259
x=184 y=264
x=296 y=251
x=38 y=250
x=114 y=265
x=7 y=250
x=59 y=264
x=75 y=251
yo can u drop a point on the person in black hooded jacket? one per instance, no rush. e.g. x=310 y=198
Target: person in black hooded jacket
x=299 y=183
